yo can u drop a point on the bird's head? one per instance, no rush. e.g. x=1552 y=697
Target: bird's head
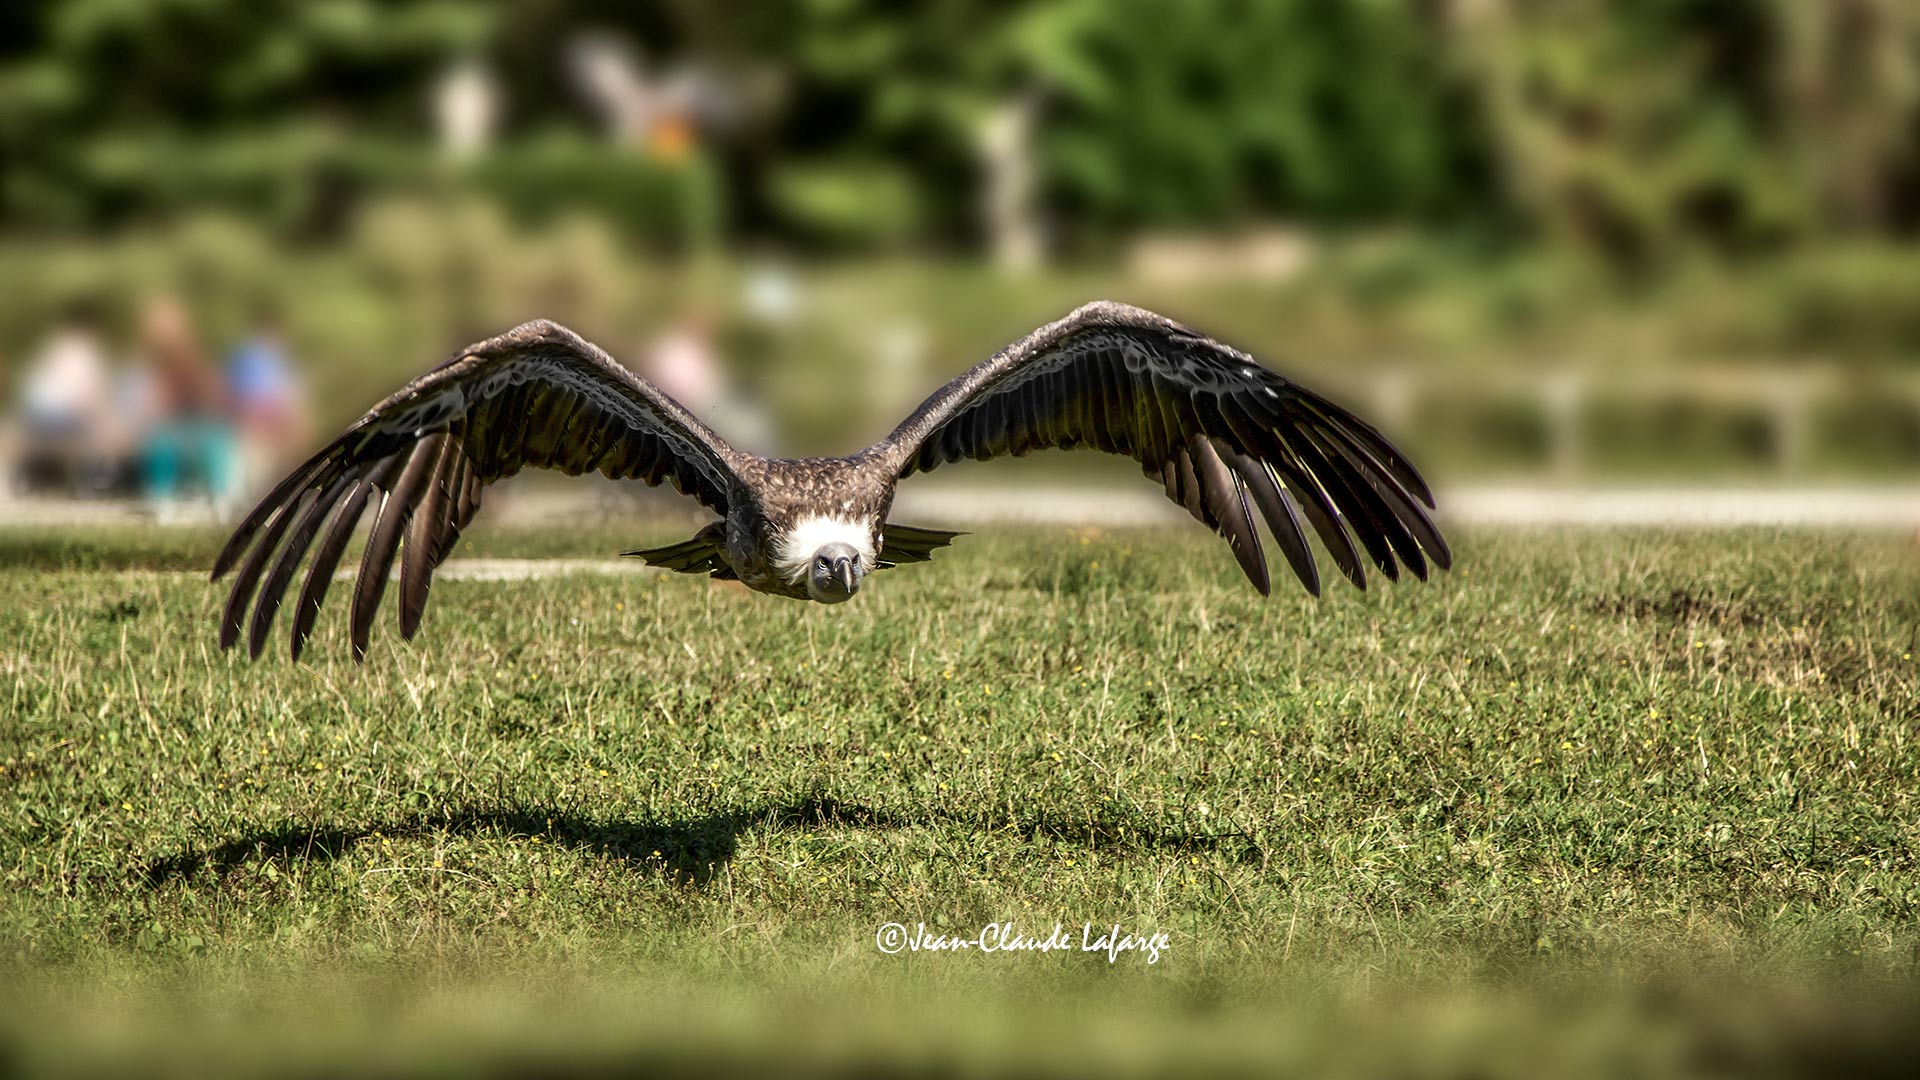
x=835 y=573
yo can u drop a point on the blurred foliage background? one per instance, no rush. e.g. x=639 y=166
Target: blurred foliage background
x=1381 y=193
x=1629 y=127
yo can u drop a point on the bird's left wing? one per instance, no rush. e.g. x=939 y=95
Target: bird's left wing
x=537 y=395
x=1219 y=431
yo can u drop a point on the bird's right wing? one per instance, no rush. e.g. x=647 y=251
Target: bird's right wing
x=1223 y=434
x=538 y=396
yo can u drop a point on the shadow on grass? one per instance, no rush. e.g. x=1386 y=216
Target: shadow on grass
x=691 y=850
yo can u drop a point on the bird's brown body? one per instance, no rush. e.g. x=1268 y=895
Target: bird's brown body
x=778 y=493
x=1224 y=436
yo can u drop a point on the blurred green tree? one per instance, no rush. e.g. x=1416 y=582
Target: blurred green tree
x=1628 y=127
x=1632 y=127
x=282 y=110
x=1212 y=111
x=1848 y=78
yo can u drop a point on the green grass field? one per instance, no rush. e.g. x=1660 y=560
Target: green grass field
x=1581 y=757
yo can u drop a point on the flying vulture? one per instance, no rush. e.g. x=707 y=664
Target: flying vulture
x=1224 y=435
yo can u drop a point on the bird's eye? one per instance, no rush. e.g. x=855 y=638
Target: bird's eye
x=823 y=562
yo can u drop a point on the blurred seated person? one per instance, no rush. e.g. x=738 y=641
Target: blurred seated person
x=188 y=442
x=269 y=407
x=685 y=362
x=67 y=434
x=682 y=362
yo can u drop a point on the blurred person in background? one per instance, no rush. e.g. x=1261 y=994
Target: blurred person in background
x=685 y=362
x=267 y=399
x=67 y=436
x=187 y=439
x=682 y=362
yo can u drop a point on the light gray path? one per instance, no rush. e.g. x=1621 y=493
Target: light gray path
x=936 y=505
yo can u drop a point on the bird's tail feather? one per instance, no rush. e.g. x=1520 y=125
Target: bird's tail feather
x=907 y=543
x=703 y=554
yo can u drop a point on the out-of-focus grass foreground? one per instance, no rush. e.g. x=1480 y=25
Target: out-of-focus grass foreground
x=1612 y=764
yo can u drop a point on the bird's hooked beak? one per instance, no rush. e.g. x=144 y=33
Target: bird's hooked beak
x=835 y=574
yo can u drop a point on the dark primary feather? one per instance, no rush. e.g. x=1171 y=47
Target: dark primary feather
x=1223 y=435
x=537 y=396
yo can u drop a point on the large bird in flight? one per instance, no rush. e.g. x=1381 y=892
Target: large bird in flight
x=1223 y=434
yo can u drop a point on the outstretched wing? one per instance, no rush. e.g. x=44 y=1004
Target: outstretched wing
x=538 y=395
x=1216 y=428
